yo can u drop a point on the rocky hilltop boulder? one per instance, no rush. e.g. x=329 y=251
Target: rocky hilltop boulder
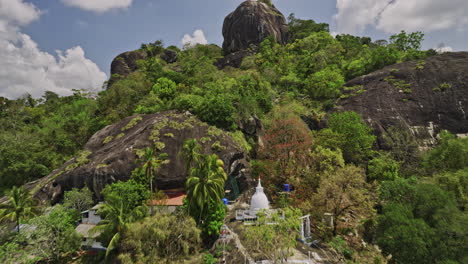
x=111 y=154
x=251 y=23
x=424 y=96
x=126 y=63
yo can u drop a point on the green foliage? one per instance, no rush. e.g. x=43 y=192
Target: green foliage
x=12 y=251
x=151 y=164
x=81 y=159
x=383 y=168
x=406 y=238
x=218 y=110
x=402 y=146
x=407 y=41
x=280 y=84
x=240 y=140
x=401 y=85
x=327 y=160
x=358 y=137
x=268 y=2
x=131 y=192
x=205 y=185
x=107 y=139
x=19 y=206
x=119 y=100
x=78 y=200
x=157 y=239
x=273 y=241
x=37 y=138
x=340 y=245
x=205 y=188
x=216 y=146
x=450 y=154
x=164 y=88
x=325 y=84
x=150 y=104
x=152 y=49
x=214 y=219
x=56 y=234
x=133 y=122
x=208 y=259
x=420 y=223
x=123 y=205
x=300 y=29
x=455 y=182
x=343 y=191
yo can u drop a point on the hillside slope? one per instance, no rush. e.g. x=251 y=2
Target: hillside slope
x=424 y=96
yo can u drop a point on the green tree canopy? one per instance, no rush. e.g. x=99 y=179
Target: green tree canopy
x=79 y=200
x=157 y=239
x=358 y=137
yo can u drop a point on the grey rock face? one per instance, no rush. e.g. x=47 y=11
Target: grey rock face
x=169 y=56
x=251 y=23
x=233 y=60
x=424 y=96
x=111 y=154
x=125 y=63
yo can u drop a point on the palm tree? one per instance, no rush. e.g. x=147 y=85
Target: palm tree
x=20 y=205
x=117 y=215
x=205 y=184
x=150 y=164
x=190 y=153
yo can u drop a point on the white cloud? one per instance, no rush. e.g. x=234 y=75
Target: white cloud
x=198 y=37
x=27 y=69
x=18 y=12
x=392 y=16
x=442 y=48
x=98 y=6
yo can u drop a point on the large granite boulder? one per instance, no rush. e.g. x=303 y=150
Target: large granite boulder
x=169 y=56
x=424 y=96
x=251 y=23
x=125 y=63
x=111 y=154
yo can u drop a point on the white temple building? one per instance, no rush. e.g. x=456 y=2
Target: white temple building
x=258 y=202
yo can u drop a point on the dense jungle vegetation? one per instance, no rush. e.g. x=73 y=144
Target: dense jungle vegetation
x=410 y=203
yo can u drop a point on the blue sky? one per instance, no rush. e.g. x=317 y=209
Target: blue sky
x=89 y=33
x=103 y=36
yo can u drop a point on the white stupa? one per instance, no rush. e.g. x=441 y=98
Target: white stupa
x=259 y=201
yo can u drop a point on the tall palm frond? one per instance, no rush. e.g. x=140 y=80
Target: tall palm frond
x=205 y=183
x=190 y=153
x=20 y=205
x=150 y=164
x=117 y=215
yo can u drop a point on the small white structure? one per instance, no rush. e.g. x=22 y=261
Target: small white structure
x=91 y=216
x=89 y=219
x=304 y=228
x=258 y=202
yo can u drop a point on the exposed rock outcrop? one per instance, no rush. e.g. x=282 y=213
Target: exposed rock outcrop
x=125 y=63
x=251 y=23
x=233 y=60
x=111 y=154
x=169 y=56
x=424 y=96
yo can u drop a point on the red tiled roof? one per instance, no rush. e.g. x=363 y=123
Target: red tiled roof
x=173 y=199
